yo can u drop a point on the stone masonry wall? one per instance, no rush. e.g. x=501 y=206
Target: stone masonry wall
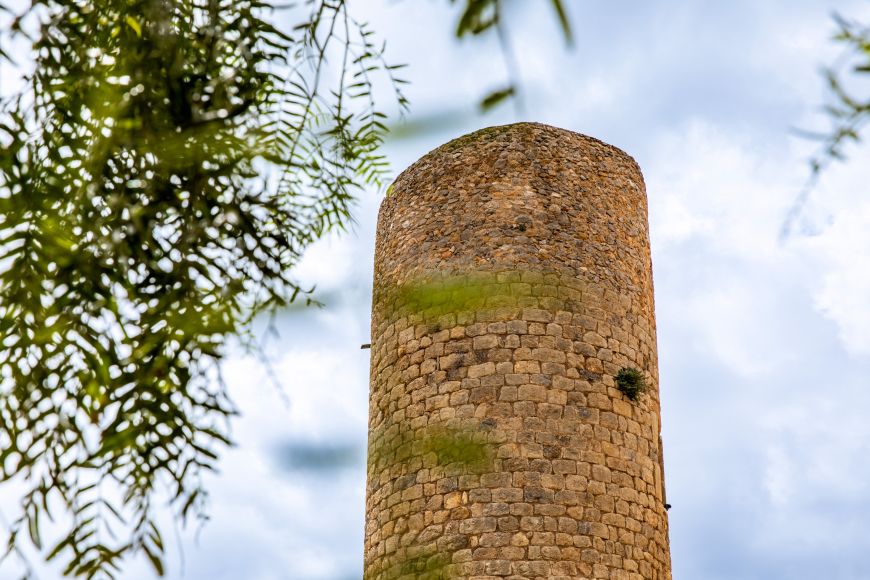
x=512 y=282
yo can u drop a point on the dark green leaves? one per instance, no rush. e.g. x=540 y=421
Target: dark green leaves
x=563 y=20
x=479 y=16
x=631 y=382
x=495 y=98
x=167 y=165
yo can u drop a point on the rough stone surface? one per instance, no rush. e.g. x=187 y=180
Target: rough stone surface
x=512 y=282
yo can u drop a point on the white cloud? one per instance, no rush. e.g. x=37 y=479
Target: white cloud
x=729 y=188
x=843 y=297
x=779 y=477
x=841 y=255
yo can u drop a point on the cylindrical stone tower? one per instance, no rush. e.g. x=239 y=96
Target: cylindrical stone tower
x=512 y=285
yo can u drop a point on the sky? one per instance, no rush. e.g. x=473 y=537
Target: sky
x=764 y=339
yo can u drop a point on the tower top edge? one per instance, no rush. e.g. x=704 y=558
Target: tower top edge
x=526 y=132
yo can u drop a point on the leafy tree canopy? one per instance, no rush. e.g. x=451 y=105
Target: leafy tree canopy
x=161 y=173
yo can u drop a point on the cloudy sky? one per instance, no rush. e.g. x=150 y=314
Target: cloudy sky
x=764 y=340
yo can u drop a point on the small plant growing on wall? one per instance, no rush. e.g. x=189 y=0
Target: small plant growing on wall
x=631 y=382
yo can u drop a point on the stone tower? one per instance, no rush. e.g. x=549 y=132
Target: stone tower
x=512 y=285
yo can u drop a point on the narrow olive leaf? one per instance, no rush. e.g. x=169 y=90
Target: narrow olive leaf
x=496 y=97
x=477 y=17
x=58 y=548
x=154 y=559
x=563 y=21
x=33 y=528
x=132 y=23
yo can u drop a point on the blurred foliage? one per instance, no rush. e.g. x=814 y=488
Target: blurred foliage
x=465 y=450
x=496 y=97
x=457 y=447
x=849 y=112
x=440 y=302
x=161 y=173
x=453 y=120
x=454 y=451
x=480 y=16
x=425 y=566
x=451 y=295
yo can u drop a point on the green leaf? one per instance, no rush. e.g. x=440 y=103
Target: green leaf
x=478 y=16
x=154 y=558
x=59 y=547
x=132 y=23
x=563 y=21
x=33 y=528
x=496 y=97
